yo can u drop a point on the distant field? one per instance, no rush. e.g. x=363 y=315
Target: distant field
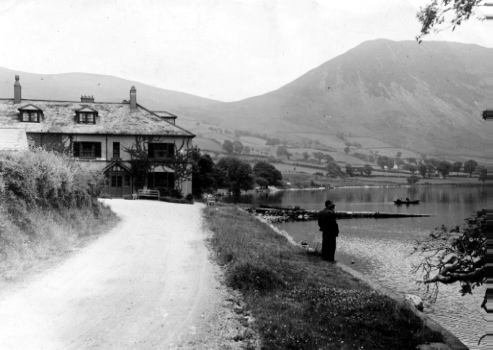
x=252 y=141
x=206 y=144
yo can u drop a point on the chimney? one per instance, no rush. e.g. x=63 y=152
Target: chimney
x=17 y=91
x=133 y=98
x=87 y=99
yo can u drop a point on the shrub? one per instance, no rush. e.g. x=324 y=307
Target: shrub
x=49 y=179
x=412 y=179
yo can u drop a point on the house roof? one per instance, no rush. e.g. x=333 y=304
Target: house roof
x=13 y=140
x=113 y=118
x=28 y=107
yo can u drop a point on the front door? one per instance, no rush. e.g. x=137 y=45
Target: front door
x=119 y=184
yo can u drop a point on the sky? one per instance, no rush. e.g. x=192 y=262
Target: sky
x=225 y=50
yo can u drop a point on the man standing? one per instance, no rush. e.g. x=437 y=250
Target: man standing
x=330 y=230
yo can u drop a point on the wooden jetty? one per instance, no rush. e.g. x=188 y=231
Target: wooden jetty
x=288 y=214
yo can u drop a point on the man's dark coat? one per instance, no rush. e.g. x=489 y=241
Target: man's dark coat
x=330 y=230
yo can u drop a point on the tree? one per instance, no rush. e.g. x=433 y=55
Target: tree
x=371 y=158
x=412 y=180
x=390 y=163
x=411 y=168
x=346 y=149
x=246 y=150
x=423 y=170
x=444 y=168
x=456 y=167
x=305 y=155
x=203 y=174
x=333 y=169
x=262 y=182
x=411 y=160
x=267 y=171
x=483 y=173
x=430 y=169
x=399 y=162
x=237 y=147
x=281 y=151
x=236 y=174
x=456 y=255
x=398 y=154
x=470 y=166
x=382 y=161
x=318 y=156
x=349 y=170
x=367 y=169
x=228 y=147
x=328 y=158
x=435 y=13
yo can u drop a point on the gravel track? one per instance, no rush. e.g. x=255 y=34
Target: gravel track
x=147 y=284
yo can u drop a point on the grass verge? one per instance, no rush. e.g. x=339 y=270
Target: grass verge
x=35 y=238
x=302 y=302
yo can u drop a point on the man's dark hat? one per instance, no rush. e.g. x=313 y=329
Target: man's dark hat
x=328 y=203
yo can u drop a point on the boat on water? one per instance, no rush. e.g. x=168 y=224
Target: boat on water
x=406 y=202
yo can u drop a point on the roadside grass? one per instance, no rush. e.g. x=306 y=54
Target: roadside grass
x=302 y=302
x=34 y=239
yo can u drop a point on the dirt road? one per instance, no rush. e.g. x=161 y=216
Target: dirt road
x=147 y=284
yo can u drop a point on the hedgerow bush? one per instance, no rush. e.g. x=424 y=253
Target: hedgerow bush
x=46 y=178
x=49 y=205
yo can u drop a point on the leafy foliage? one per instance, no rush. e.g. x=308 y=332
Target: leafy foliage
x=444 y=168
x=236 y=174
x=456 y=255
x=470 y=167
x=435 y=13
x=412 y=180
x=268 y=172
x=44 y=177
x=228 y=147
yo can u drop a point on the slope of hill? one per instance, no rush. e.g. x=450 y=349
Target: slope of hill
x=426 y=98
x=104 y=88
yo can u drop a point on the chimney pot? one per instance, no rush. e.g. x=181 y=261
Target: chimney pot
x=17 y=91
x=87 y=99
x=133 y=98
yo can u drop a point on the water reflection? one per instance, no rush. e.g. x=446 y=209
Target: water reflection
x=381 y=248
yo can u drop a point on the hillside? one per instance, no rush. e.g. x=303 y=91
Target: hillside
x=387 y=96
x=426 y=98
x=104 y=88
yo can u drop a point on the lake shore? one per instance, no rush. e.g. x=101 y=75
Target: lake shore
x=289 y=291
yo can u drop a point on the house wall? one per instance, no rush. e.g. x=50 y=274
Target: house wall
x=64 y=143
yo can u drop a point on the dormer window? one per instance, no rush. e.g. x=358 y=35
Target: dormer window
x=86 y=116
x=30 y=114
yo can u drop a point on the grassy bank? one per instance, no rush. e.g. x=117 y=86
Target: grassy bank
x=302 y=302
x=49 y=207
x=53 y=234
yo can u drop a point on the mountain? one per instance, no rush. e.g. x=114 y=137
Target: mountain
x=426 y=98
x=423 y=97
x=104 y=88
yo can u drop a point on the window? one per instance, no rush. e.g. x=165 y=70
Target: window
x=30 y=116
x=86 y=118
x=126 y=180
x=161 y=150
x=116 y=149
x=87 y=149
x=161 y=180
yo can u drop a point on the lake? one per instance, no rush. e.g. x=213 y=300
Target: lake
x=380 y=248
